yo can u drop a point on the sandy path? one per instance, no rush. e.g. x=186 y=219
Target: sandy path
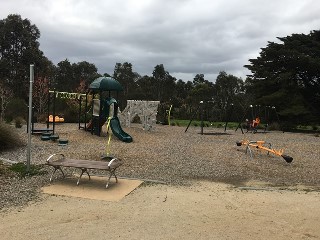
x=202 y=211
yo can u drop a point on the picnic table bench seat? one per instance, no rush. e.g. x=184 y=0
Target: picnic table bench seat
x=58 y=161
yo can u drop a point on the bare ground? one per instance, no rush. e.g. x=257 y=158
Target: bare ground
x=204 y=210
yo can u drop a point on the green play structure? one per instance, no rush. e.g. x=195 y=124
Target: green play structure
x=105 y=107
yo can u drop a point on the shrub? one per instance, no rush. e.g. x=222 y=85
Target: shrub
x=288 y=126
x=274 y=126
x=18 y=122
x=16 y=108
x=9 y=137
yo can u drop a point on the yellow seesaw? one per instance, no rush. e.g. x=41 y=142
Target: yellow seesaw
x=263 y=146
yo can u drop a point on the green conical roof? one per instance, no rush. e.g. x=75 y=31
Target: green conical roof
x=106 y=84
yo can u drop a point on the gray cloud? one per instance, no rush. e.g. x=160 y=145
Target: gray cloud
x=187 y=36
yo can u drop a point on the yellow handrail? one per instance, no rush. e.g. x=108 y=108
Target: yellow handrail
x=109 y=136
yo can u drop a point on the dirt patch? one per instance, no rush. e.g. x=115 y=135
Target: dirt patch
x=204 y=210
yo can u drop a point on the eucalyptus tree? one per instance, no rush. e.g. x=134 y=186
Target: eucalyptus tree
x=227 y=88
x=181 y=92
x=199 y=78
x=201 y=91
x=69 y=76
x=159 y=74
x=123 y=73
x=19 y=47
x=84 y=73
x=64 y=78
x=146 y=89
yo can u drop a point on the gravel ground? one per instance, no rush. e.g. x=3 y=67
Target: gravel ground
x=171 y=155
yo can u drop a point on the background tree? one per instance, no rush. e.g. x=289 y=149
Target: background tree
x=169 y=89
x=73 y=104
x=199 y=78
x=286 y=75
x=201 y=90
x=83 y=74
x=64 y=78
x=69 y=75
x=226 y=90
x=178 y=99
x=40 y=94
x=19 y=47
x=146 y=89
x=159 y=74
x=5 y=97
x=124 y=74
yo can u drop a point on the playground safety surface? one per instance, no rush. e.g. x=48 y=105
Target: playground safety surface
x=170 y=155
x=93 y=188
x=266 y=198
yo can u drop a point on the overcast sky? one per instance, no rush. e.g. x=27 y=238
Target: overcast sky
x=186 y=36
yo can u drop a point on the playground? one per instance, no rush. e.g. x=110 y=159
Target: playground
x=193 y=184
x=184 y=183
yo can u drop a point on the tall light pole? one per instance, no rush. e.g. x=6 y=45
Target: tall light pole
x=30 y=116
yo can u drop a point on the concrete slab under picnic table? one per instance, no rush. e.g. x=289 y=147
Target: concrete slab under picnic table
x=93 y=188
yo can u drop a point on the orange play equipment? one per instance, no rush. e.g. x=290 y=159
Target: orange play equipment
x=57 y=119
x=263 y=146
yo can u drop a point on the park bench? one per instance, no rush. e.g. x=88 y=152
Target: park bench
x=57 y=161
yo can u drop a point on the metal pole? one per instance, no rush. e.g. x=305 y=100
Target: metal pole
x=228 y=116
x=201 y=116
x=30 y=116
x=194 y=114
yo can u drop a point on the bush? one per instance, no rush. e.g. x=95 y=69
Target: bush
x=274 y=126
x=9 y=137
x=287 y=127
x=18 y=122
x=16 y=108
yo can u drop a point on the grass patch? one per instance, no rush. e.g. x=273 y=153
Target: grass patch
x=197 y=123
x=21 y=170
